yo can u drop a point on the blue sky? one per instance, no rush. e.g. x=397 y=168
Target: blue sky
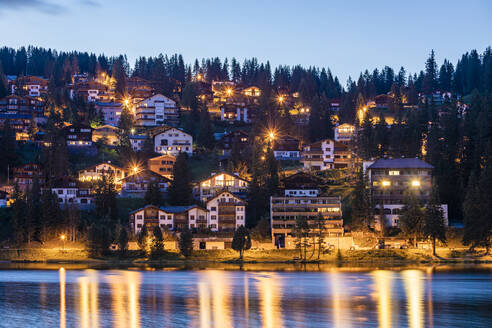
x=346 y=36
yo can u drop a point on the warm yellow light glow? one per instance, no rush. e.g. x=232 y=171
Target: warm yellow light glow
x=271 y=135
x=412 y=280
x=280 y=99
x=132 y=131
x=269 y=288
x=229 y=91
x=199 y=77
x=62 y=237
x=63 y=322
x=383 y=280
x=415 y=183
x=386 y=183
x=135 y=169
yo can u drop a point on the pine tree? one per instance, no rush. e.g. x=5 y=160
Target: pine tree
x=153 y=194
x=434 y=225
x=123 y=241
x=180 y=191
x=119 y=74
x=157 y=247
x=241 y=241
x=361 y=204
x=185 y=243
x=206 y=133
x=301 y=231
x=412 y=217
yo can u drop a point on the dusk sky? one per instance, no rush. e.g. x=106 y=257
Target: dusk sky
x=346 y=37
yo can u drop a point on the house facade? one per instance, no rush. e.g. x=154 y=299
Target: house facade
x=111 y=112
x=326 y=154
x=344 y=133
x=24 y=175
x=107 y=132
x=70 y=192
x=303 y=198
x=172 y=141
x=136 y=184
x=217 y=182
x=391 y=179
x=287 y=148
x=156 y=110
x=227 y=212
x=162 y=165
x=78 y=135
x=96 y=172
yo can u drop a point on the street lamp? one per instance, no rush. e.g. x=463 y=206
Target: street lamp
x=280 y=99
x=62 y=237
x=229 y=91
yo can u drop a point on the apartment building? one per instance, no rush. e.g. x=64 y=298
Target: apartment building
x=111 y=112
x=303 y=198
x=96 y=172
x=136 y=184
x=69 y=191
x=326 y=154
x=24 y=175
x=78 y=135
x=156 y=110
x=391 y=179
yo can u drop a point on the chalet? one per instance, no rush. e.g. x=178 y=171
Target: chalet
x=226 y=142
x=162 y=165
x=32 y=86
x=156 y=110
x=382 y=101
x=209 y=187
x=78 y=135
x=96 y=172
x=20 y=123
x=106 y=132
x=15 y=104
x=344 y=133
x=111 y=112
x=287 y=148
x=69 y=191
x=326 y=154
x=227 y=212
x=24 y=175
x=91 y=91
x=138 y=88
x=169 y=217
x=234 y=113
x=172 y=141
x=136 y=184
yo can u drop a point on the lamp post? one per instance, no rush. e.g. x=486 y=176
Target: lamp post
x=62 y=237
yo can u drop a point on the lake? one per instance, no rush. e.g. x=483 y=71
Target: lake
x=315 y=297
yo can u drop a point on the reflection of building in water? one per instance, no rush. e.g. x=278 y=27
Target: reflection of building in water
x=125 y=299
x=412 y=280
x=215 y=285
x=88 y=307
x=62 y=275
x=270 y=291
x=383 y=281
x=341 y=313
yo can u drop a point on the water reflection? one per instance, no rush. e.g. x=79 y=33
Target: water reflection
x=215 y=298
x=413 y=289
x=383 y=280
x=270 y=290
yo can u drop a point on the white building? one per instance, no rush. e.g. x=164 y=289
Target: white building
x=111 y=112
x=137 y=142
x=156 y=110
x=326 y=154
x=344 y=132
x=172 y=141
x=227 y=212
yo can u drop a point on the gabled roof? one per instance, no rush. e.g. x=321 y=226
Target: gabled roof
x=169 y=209
x=161 y=156
x=159 y=130
x=146 y=172
x=154 y=96
x=103 y=163
x=241 y=201
x=225 y=173
x=400 y=163
x=302 y=180
x=106 y=126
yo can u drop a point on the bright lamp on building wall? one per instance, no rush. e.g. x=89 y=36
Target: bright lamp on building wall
x=415 y=183
x=386 y=183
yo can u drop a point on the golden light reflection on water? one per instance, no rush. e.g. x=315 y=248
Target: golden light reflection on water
x=215 y=284
x=341 y=313
x=383 y=283
x=413 y=281
x=269 y=287
x=62 y=277
x=125 y=294
x=88 y=299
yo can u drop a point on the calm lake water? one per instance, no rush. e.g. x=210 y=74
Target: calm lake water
x=332 y=297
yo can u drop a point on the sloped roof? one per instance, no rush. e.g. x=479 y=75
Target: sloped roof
x=400 y=163
x=170 y=209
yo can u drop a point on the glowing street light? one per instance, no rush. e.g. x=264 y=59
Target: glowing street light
x=229 y=91
x=63 y=237
x=280 y=99
x=199 y=77
x=385 y=183
x=132 y=131
x=135 y=169
x=415 y=183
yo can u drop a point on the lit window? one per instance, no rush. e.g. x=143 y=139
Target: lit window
x=386 y=183
x=394 y=172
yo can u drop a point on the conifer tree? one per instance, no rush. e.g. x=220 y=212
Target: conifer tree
x=241 y=241
x=434 y=225
x=412 y=217
x=180 y=191
x=361 y=204
x=206 y=133
x=157 y=247
x=185 y=243
x=153 y=194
